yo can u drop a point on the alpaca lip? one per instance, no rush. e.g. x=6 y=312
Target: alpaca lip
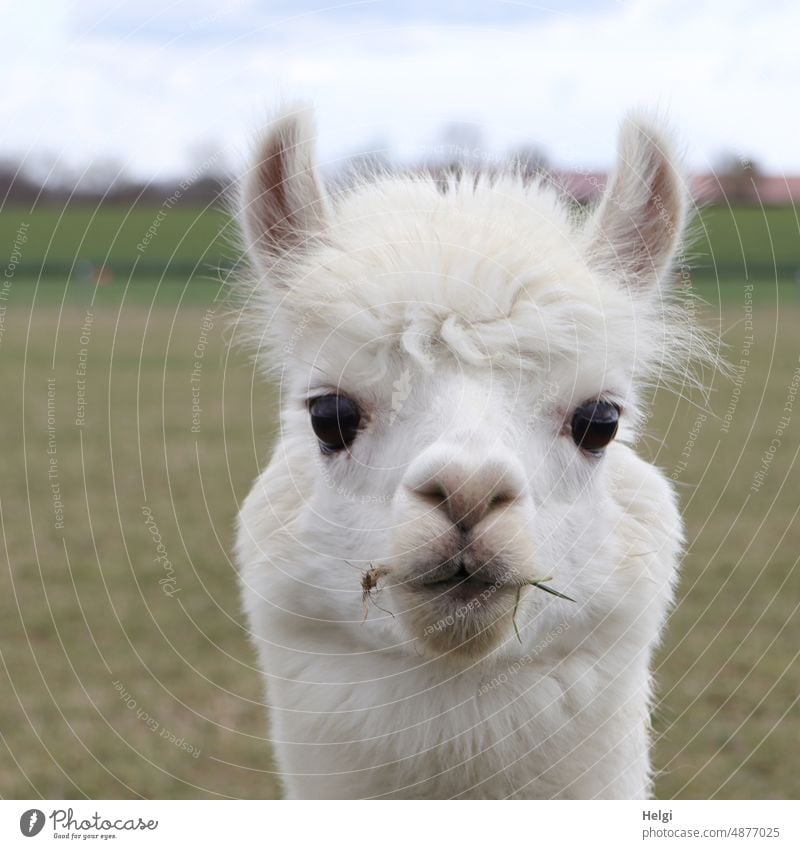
x=460 y=583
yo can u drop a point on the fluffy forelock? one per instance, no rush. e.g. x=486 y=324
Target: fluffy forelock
x=491 y=269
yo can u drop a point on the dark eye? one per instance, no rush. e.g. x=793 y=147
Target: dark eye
x=594 y=425
x=335 y=421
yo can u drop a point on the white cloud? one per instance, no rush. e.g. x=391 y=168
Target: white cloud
x=146 y=82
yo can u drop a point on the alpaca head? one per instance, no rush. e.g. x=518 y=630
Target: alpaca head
x=459 y=362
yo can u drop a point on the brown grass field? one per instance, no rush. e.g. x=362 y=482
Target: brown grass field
x=113 y=688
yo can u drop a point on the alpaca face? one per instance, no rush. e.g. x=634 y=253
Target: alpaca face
x=473 y=486
x=458 y=365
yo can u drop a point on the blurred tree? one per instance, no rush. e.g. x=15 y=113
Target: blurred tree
x=738 y=176
x=460 y=143
x=16 y=185
x=104 y=176
x=529 y=159
x=373 y=158
x=207 y=158
x=50 y=171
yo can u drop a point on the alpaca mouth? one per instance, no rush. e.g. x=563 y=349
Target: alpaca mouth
x=459 y=585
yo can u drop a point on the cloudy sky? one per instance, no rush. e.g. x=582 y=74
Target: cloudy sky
x=155 y=84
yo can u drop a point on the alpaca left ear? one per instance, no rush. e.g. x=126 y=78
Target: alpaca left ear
x=282 y=203
x=638 y=225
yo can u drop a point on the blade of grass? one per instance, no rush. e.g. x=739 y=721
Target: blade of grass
x=551 y=590
x=540 y=585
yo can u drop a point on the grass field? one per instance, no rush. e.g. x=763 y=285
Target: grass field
x=190 y=241
x=123 y=675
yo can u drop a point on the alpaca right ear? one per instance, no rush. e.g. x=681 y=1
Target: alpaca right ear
x=638 y=226
x=283 y=206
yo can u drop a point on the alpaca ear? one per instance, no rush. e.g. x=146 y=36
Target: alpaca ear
x=283 y=206
x=638 y=225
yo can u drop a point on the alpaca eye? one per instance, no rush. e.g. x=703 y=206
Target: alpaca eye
x=594 y=425
x=334 y=419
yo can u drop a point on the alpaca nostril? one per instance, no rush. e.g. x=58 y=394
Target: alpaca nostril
x=498 y=500
x=433 y=492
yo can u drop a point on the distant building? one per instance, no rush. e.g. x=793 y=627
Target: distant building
x=763 y=189
x=587 y=186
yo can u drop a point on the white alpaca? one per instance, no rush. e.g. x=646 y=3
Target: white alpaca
x=454 y=358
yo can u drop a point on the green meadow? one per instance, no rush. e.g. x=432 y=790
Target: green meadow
x=126 y=669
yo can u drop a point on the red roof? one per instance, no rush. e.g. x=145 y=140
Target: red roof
x=706 y=188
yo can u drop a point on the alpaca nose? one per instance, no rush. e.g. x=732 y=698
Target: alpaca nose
x=466 y=491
